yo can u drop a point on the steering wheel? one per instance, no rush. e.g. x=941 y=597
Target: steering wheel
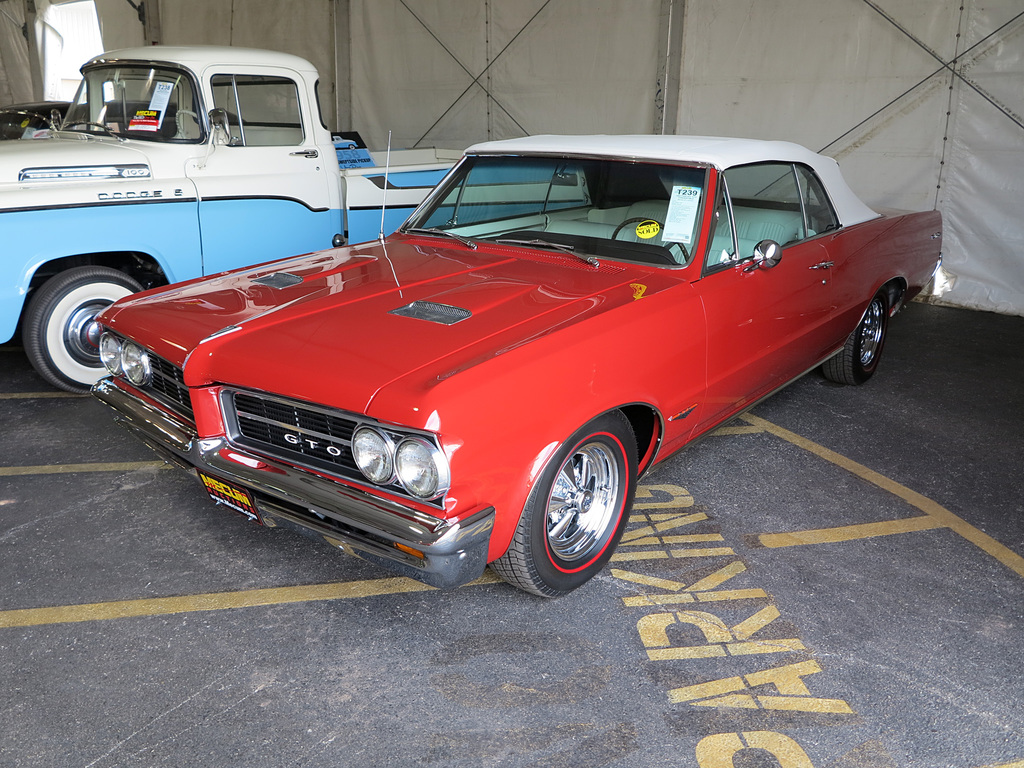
x=179 y=124
x=661 y=226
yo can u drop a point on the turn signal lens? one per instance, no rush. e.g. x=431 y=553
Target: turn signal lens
x=110 y=353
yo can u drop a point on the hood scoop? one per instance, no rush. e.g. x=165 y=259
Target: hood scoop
x=279 y=280
x=445 y=314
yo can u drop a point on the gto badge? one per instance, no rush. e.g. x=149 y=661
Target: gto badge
x=305 y=442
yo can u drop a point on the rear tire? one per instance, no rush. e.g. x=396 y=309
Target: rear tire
x=858 y=359
x=576 y=512
x=59 y=334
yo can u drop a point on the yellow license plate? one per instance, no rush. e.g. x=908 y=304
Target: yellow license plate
x=237 y=499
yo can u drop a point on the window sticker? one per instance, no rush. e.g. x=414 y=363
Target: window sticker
x=145 y=120
x=150 y=119
x=161 y=97
x=682 y=213
x=647 y=229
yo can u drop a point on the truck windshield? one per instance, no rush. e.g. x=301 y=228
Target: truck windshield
x=619 y=209
x=137 y=102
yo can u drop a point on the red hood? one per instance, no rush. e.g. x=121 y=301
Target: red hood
x=332 y=336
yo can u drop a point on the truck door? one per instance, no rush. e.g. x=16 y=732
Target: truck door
x=266 y=194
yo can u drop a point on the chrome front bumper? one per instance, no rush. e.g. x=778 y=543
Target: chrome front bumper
x=358 y=522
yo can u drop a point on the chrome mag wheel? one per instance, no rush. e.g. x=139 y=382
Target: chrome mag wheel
x=583 y=500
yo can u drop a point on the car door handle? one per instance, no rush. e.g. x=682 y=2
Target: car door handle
x=822 y=265
x=310 y=153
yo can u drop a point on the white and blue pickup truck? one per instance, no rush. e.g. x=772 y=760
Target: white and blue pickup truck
x=173 y=163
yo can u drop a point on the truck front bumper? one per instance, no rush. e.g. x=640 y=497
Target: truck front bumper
x=438 y=552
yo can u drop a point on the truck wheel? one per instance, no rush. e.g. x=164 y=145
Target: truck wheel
x=59 y=335
x=858 y=359
x=576 y=512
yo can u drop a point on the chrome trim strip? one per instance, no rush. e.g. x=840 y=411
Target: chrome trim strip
x=366 y=525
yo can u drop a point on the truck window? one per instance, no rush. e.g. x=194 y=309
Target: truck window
x=263 y=111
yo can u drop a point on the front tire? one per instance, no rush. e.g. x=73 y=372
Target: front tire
x=858 y=359
x=576 y=512
x=60 y=336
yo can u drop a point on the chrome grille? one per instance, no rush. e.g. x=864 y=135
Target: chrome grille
x=303 y=434
x=299 y=433
x=168 y=384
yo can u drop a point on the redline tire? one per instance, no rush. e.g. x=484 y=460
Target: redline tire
x=59 y=335
x=576 y=512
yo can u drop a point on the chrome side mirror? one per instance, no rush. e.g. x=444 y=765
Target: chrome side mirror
x=221 y=125
x=767 y=254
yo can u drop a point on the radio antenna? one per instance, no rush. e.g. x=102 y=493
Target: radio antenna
x=384 y=199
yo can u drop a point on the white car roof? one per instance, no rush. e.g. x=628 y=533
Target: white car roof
x=198 y=57
x=719 y=152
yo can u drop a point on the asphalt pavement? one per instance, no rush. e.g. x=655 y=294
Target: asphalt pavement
x=834 y=580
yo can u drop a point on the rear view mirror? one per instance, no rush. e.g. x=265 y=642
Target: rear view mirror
x=221 y=125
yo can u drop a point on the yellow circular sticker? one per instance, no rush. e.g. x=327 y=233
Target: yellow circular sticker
x=645 y=230
x=24 y=123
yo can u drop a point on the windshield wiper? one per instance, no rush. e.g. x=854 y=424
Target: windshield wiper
x=536 y=243
x=443 y=233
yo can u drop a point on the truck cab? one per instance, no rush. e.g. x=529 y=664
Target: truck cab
x=172 y=163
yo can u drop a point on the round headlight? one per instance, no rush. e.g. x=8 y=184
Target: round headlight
x=135 y=363
x=421 y=468
x=110 y=353
x=374 y=455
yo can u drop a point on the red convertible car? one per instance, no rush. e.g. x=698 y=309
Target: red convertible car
x=486 y=385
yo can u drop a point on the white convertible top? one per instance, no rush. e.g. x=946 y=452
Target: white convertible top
x=719 y=152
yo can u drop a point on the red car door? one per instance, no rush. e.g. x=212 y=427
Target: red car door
x=767 y=324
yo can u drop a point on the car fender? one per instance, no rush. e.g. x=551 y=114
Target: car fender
x=491 y=408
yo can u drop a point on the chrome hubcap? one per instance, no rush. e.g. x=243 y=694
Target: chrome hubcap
x=82 y=332
x=582 y=501
x=871 y=328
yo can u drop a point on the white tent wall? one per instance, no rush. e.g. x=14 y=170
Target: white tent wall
x=120 y=26
x=982 y=193
x=449 y=73
x=15 y=75
x=867 y=83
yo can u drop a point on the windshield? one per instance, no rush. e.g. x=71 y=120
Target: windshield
x=619 y=209
x=136 y=102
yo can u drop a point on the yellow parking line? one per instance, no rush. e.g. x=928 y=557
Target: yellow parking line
x=61 y=469
x=941 y=516
x=849 y=532
x=217 y=601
